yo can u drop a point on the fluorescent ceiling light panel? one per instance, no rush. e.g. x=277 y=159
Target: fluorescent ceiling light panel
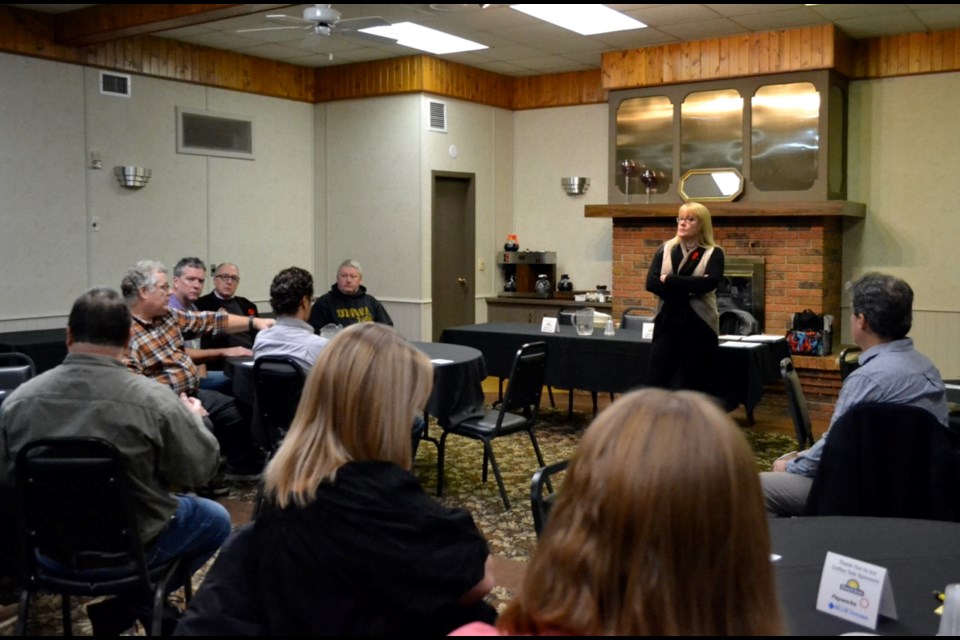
x=585 y=19
x=416 y=37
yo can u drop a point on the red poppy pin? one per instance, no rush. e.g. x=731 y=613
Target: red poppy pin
x=251 y=312
x=696 y=254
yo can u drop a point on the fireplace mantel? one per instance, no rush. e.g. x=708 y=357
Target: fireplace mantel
x=824 y=208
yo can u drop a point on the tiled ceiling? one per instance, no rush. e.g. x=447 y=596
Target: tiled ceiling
x=520 y=45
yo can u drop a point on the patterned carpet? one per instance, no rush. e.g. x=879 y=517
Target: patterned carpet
x=510 y=533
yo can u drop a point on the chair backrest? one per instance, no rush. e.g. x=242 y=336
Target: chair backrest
x=797 y=404
x=540 y=501
x=634 y=317
x=887 y=460
x=738 y=322
x=849 y=361
x=526 y=380
x=76 y=506
x=15 y=369
x=278 y=383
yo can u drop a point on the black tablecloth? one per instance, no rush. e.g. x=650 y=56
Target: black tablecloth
x=920 y=556
x=615 y=363
x=457 y=385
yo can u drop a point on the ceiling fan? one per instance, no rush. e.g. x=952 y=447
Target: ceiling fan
x=321 y=20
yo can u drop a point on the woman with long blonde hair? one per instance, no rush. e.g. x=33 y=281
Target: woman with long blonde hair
x=348 y=542
x=684 y=274
x=658 y=529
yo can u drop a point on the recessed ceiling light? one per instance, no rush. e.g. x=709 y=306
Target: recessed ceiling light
x=585 y=19
x=425 y=39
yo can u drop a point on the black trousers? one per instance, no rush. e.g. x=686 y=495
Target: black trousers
x=231 y=426
x=684 y=354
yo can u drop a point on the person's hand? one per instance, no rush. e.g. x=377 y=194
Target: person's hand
x=780 y=464
x=663 y=278
x=236 y=352
x=263 y=323
x=193 y=405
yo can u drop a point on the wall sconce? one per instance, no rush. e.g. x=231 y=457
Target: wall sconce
x=132 y=177
x=575 y=186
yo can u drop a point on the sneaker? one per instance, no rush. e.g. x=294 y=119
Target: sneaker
x=216 y=488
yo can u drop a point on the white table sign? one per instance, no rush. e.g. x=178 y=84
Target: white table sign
x=854 y=590
x=647 y=331
x=549 y=325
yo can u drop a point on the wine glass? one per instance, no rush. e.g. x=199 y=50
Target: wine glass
x=629 y=169
x=649 y=180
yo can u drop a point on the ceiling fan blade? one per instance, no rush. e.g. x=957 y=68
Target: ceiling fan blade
x=271 y=29
x=291 y=20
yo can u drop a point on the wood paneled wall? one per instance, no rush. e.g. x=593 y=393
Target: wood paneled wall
x=909 y=54
x=33 y=34
x=413 y=74
x=802 y=49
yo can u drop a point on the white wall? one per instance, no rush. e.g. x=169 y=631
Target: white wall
x=904 y=165
x=550 y=144
x=259 y=214
x=43 y=246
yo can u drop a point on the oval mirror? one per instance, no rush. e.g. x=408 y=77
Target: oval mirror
x=711 y=185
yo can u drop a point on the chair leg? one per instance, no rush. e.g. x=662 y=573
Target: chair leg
x=488 y=451
x=593 y=396
x=536 y=450
x=23 y=613
x=486 y=461
x=65 y=614
x=553 y=405
x=441 y=449
x=570 y=404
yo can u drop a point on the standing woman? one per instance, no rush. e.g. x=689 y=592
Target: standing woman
x=684 y=274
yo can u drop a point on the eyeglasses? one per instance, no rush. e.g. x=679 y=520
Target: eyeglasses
x=687 y=220
x=228 y=278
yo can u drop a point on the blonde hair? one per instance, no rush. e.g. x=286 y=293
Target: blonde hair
x=706 y=224
x=358 y=403
x=658 y=529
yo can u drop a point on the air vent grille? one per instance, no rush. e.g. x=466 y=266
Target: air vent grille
x=114 y=84
x=438 y=116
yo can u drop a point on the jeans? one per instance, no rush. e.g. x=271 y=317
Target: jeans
x=198 y=528
x=216 y=381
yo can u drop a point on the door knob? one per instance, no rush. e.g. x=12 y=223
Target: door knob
x=462 y=281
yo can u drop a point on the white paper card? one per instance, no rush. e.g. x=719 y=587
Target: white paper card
x=647 y=331
x=549 y=325
x=855 y=591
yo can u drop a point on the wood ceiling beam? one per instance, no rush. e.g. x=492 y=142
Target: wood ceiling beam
x=107 y=22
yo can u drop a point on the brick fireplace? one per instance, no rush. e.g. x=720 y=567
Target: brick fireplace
x=801 y=244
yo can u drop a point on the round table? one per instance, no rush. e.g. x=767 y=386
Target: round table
x=920 y=556
x=458 y=374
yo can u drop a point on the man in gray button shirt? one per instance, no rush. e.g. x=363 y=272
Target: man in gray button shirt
x=291 y=294
x=890 y=370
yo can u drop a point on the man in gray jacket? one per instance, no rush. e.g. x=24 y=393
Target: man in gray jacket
x=160 y=435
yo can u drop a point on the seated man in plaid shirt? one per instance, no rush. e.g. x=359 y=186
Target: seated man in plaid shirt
x=157 y=351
